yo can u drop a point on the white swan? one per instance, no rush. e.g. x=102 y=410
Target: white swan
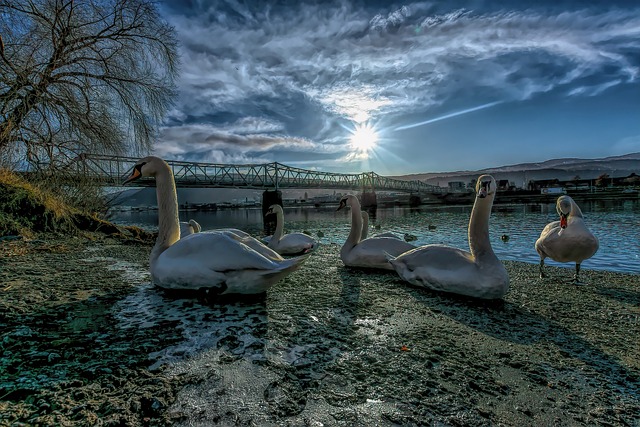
x=215 y=261
x=371 y=252
x=190 y=227
x=567 y=240
x=477 y=274
x=365 y=229
x=291 y=243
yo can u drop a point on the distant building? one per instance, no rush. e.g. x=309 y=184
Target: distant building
x=457 y=185
x=503 y=185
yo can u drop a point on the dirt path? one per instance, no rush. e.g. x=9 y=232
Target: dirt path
x=84 y=338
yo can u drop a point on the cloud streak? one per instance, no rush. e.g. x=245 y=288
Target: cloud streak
x=448 y=116
x=304 y=70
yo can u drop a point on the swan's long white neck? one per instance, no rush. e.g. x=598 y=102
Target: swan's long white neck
x=576 y=212
x=479 y=243
x=356 y=226
x=168 y=222
x=277 y=234
x=365 y=225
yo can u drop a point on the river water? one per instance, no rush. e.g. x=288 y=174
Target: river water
x=615 y=223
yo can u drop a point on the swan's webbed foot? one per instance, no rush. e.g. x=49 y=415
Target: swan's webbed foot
x=210 y=295
x=576 y=279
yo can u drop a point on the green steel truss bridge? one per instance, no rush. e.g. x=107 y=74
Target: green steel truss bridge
x=113 y=170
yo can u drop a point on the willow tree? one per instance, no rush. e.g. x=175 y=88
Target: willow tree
x=83 y=75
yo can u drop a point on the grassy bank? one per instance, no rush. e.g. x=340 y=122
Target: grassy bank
x=27 y=209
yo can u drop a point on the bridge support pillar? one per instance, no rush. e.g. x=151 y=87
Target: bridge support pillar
x=270 y=197
x=369 y=200
x=414 y=200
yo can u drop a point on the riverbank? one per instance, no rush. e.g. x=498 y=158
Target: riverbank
x=86 y=339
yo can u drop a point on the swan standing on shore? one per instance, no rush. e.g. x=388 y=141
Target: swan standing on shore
x=567 y=240
x=288 y=244
x=478 y=273
x=217 y=262
x=190 y=227
x=371 y=252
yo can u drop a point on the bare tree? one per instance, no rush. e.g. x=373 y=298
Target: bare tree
x=83 y=75
x=601 y=180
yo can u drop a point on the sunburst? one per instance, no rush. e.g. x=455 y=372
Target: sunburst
x=364 y=138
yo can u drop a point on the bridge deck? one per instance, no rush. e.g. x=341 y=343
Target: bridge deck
x=113 y=170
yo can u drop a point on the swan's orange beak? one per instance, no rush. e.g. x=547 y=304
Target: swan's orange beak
x=134 y=175
x=563 y=221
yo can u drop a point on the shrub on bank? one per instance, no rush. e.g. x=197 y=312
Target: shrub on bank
x=26 y=208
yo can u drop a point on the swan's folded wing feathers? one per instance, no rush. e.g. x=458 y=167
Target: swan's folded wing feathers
x=217 y=252
x=436 y=256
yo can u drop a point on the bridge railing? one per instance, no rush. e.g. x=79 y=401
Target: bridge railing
x=113 y=170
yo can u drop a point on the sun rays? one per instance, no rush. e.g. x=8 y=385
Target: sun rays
x=364 y=138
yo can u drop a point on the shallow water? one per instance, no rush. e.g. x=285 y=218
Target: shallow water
x=615 y=223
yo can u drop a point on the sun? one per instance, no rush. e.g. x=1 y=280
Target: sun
x=364 y=138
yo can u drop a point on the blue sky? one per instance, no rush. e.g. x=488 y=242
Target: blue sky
x=408 y=87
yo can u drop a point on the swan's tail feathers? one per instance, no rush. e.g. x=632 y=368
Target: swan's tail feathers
x=196 y=227
x=294 y=263
x=285 y=268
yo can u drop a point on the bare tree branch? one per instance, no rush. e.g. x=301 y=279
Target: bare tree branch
x=92 y=75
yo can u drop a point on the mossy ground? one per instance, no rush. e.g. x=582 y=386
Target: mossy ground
x=328 y=345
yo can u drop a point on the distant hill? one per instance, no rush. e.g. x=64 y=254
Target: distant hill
x=562 y=169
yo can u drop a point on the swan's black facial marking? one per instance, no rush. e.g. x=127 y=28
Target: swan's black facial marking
x=343 y=204
x=136 y=174
x=484 y=188
x=563 y=220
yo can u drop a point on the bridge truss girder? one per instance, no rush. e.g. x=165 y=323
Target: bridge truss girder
x=113 y=170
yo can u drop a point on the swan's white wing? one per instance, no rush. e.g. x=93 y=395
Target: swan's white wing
x=185 y=229
x=217 y=260
x=549 y=227
x=448 y=269
x=295 y=243
x=388 y=234
x=435 y=256
x=234 y=231
x=250 y=241
x=573 y=244
x=216 y=251
x=189 y=227
x=373 y=252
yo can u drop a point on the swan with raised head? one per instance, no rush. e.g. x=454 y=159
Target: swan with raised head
x=567 y=240
x=478 y=273
x=365 y=229
x=291 y=243
x=215 y=261
x=189 y=227
x=371 y=252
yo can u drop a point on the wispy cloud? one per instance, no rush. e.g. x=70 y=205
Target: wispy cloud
x=232 y=143
x=448 y=116
x=304 y=69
